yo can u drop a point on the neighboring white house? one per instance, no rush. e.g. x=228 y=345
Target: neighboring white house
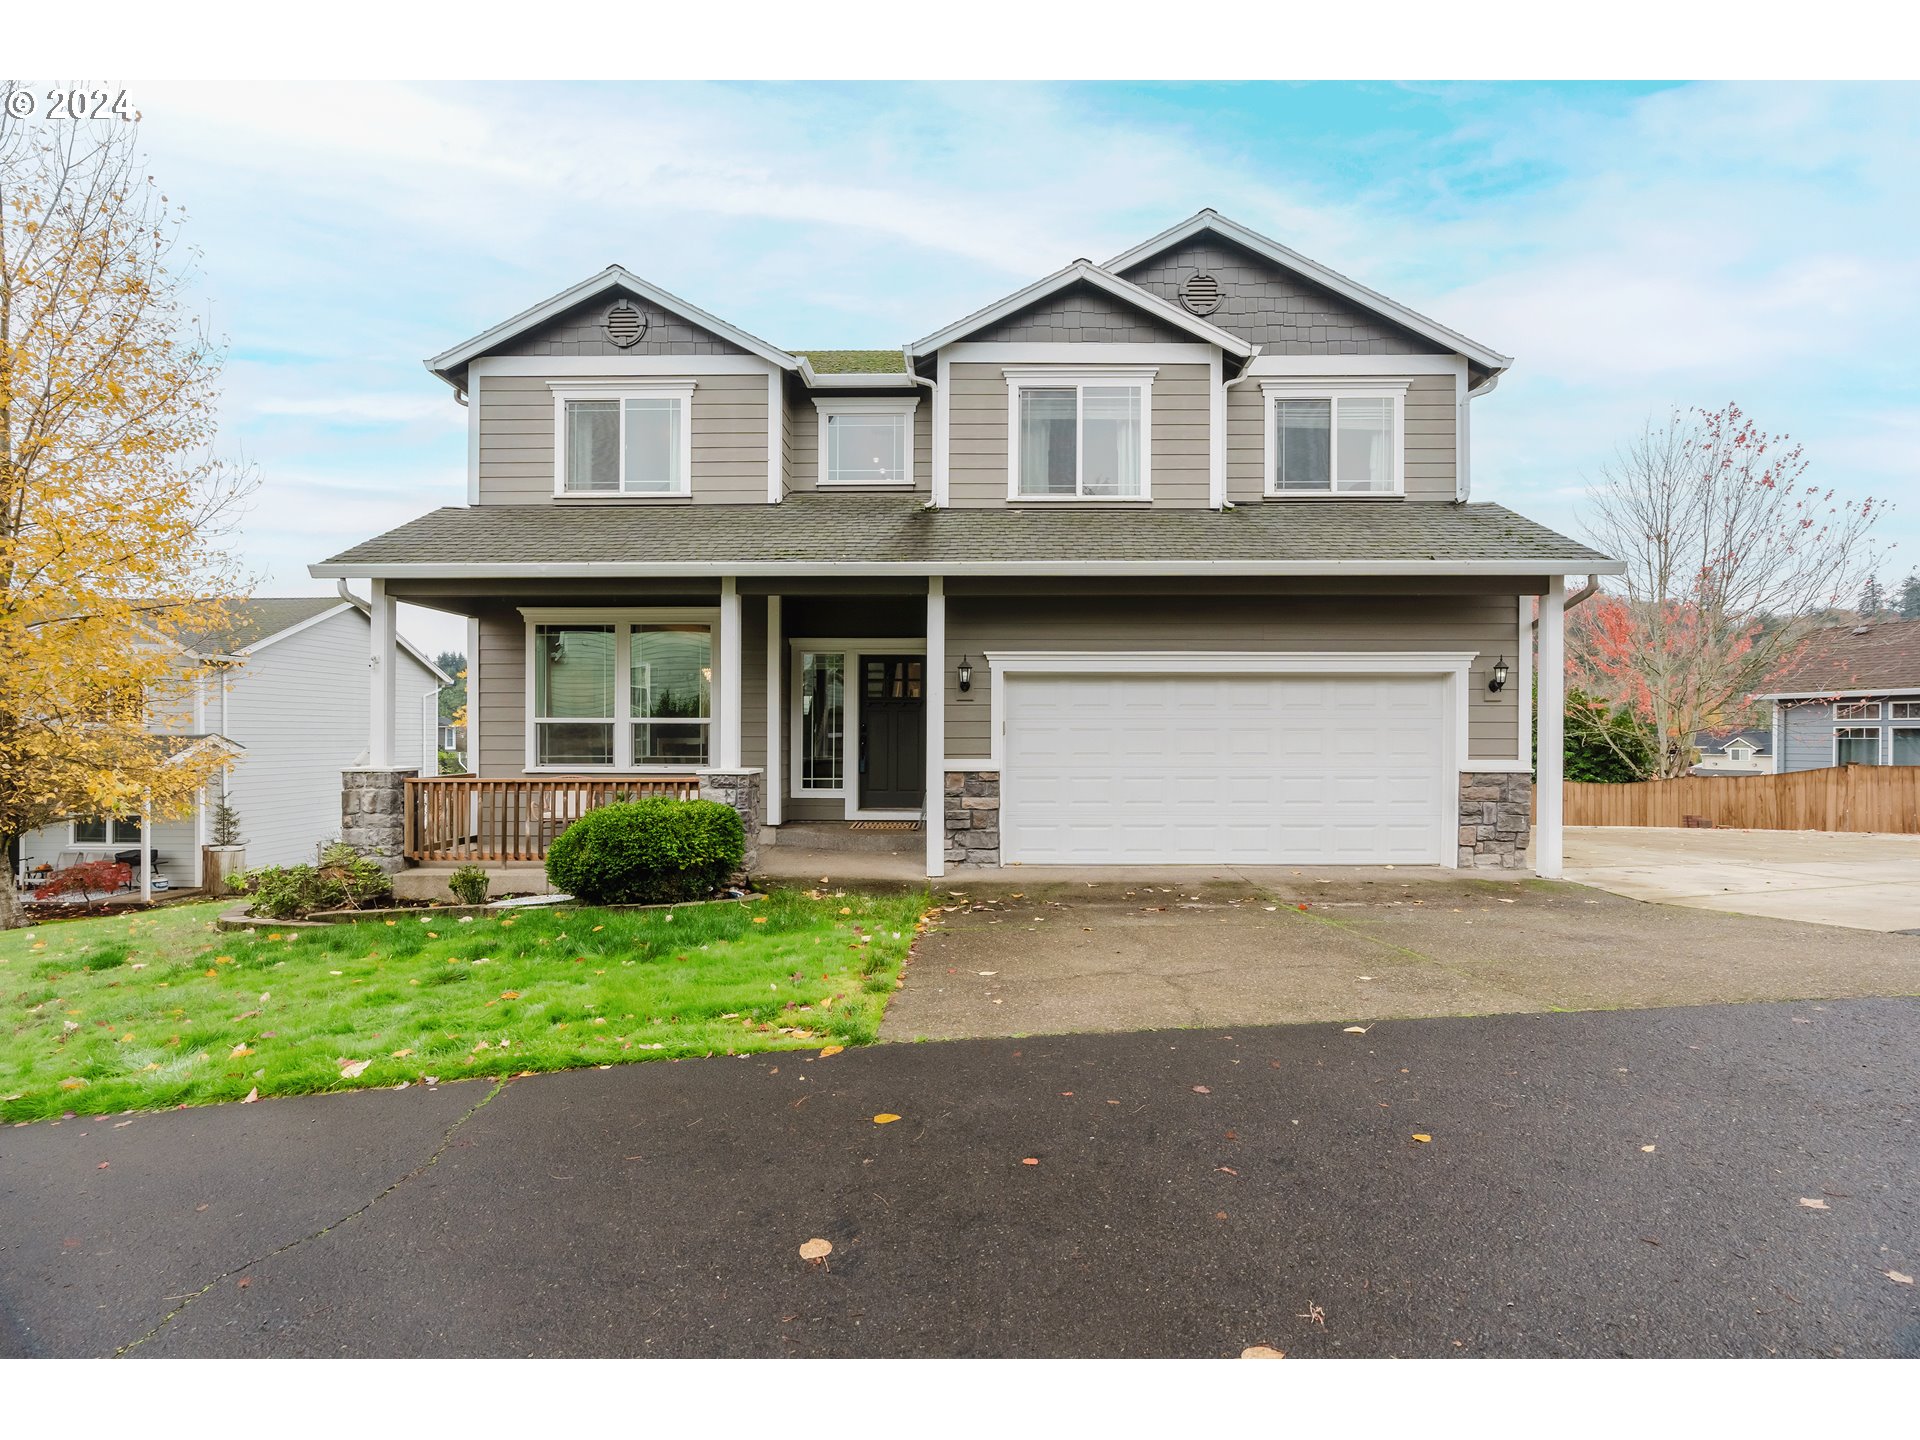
x=1734 y=752
x=286 y=686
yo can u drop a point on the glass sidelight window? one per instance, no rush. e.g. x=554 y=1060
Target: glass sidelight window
x=823 y=710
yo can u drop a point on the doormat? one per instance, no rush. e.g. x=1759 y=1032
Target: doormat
x=886 y=825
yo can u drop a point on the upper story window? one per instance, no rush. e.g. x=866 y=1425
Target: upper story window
x=1079 y=435
x=1857 y=710
x=1335 y=440
x=623 y=439
x=866 y=441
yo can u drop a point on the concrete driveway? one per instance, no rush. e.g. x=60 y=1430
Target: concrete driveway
x=1362 y=945
x=1865 y=882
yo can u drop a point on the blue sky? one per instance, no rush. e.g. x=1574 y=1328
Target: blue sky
x=1635 y=247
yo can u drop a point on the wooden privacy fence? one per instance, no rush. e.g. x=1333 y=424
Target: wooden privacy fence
x=1882 y=798
x=460 y=817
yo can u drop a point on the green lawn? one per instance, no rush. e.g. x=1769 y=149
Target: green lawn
x=145 y=1011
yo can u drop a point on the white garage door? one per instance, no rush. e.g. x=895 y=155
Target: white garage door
x=1211 y=769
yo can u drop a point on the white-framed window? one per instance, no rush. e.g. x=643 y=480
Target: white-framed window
x=619 y=691
x=1335 y=439
x=820 y=693
x=1079 y=434
x=1903 y=745
x=1857 y=710
x=1740 y=751
x=121 y=831
x=1903 y=710
x=1856 y=745
x=626 y=438
x=866 y=441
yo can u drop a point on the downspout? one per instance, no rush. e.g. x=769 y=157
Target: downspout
x=933 y=389
x=1585 y=592
x=1246 y=374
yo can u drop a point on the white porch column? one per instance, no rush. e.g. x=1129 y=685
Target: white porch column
x=933 y=806
x=729 y=757
x=1548 y=849
x=776 y=739
x=383 y=666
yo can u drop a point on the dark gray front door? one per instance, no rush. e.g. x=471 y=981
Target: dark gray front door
x=893 y=732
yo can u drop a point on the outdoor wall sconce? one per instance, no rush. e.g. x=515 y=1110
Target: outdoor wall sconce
x=1499 y=680
x=966 y=675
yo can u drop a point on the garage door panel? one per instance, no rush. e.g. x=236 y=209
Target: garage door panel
x=1223 y=768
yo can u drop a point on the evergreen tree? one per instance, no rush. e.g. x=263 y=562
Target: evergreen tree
x=1910 y=596
x=1873 y=599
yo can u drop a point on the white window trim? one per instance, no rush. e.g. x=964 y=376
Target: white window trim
x=110 y=843
x=851 y=652
x=865 y=405
x=1860 y=710
x=1335 y=392
x=623 y=718
x=1044 y=377
x=1451 y=666
x=622 y=390
x=1879 y=743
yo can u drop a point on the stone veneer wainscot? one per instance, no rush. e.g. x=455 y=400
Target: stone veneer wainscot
x=973 y=817
x=1496 y=815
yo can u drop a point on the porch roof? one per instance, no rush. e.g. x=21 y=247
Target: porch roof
x=891 y=534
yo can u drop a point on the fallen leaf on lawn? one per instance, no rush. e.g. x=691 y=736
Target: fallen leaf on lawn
x=252 y=1095
x=1262 y=1352
x=239 y=1050
x=759 y=919
x=402 y=1054
x=1202 y=1090
x=509 y=994
x=1424 y=1139
x=353 y=1069
x=831 y=1050
x=1815 y=1204
x=1898 y=1278
x=885 y=1119
x=815 y=1251
x=73 y=1082
x=598 y=928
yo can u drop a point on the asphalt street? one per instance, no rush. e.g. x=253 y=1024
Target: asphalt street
x=1609 y=1183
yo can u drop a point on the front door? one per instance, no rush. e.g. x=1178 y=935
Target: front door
x=893 y=732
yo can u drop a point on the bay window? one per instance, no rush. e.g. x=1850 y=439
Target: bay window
x=1083 y=435
x=623 y=440
x=866 y=442
x=1334 y=440
x=621 y=694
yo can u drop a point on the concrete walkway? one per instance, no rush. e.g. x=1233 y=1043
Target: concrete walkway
x=1352 y=946
x=1866 y=882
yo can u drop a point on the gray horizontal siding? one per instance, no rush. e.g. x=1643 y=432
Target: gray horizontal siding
x=978 y=436
x=1484 y=624
x=1431 y=427
x=515 y=415
x=1283 y=312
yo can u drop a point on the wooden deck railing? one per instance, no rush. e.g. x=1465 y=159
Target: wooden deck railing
x=462 y=817
x=1880 y=798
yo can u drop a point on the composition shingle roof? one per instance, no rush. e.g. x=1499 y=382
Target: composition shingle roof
x=875 y=532
x=251 y=621
x=1761 y=738
x=1842 y=659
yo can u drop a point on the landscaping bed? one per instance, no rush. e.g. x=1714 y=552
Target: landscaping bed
x=160 y=1009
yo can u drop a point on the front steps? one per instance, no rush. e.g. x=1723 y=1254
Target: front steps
x=841 y=837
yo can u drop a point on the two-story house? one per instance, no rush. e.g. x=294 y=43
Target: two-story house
x=1167 y=560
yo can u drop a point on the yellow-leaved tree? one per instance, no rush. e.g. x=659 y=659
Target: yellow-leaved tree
x=115 y=516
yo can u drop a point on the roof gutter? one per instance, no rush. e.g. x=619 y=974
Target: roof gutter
x=764 y=569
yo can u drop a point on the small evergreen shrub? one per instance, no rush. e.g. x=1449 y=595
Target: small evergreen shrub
x=469 y=884
x=343 y=880
x=648 y=852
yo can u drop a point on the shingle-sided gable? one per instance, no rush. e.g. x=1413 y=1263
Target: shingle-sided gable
x=581 y=331
x=1284 y=313
x=1080 y=314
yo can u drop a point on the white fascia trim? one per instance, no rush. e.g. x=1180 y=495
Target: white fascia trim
x=1037 y=352
x=1209 y=220
x=280 y=635
x=1021 y=377
x=622 y=389
x=1284 y=366
x=614 y=277
x=614 y=367
x=903 y=406
x=1834 y=695
x=1100 y=279
x=989 y=568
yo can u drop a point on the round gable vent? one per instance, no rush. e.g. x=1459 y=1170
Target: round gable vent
x=1200 y=294
x=625 y=324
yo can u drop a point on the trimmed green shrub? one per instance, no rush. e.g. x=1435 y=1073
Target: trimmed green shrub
x=343 y=880
x=648 y=852
x=469 y=884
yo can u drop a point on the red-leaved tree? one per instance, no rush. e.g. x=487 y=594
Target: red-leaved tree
x=1731 y=556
